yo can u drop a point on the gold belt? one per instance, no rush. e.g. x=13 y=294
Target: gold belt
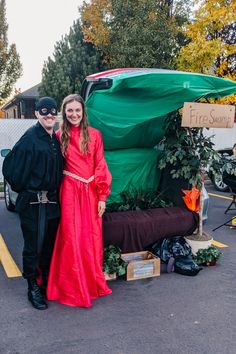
x=81 y=179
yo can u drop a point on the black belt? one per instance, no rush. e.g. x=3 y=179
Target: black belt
x=42 y=200
x=42 y=196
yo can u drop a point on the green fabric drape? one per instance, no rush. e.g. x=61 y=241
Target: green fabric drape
x=133 y=168
x=131 y=114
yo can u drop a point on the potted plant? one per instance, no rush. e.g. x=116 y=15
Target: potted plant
x=208 y=256
x=137 y=199
x=113 y=265
x=188 y=152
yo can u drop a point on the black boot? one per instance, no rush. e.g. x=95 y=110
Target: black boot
x=44 y=284
x=35 y=296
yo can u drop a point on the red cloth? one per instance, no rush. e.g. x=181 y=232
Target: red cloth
x=76 y=275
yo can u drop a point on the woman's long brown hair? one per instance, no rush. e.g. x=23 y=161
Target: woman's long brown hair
x=65 y=126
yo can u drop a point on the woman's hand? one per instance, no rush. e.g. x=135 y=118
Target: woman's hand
x=101 y=208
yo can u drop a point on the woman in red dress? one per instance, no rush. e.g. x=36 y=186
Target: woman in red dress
x=76 y=276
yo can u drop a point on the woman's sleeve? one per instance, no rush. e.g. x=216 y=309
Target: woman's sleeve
x=102 y=174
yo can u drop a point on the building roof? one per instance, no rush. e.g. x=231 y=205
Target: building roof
x=30 y=93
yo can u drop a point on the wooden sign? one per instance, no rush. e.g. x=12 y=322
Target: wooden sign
x=199 y=115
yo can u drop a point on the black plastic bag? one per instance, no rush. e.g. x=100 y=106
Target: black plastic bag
x=186 y=266
x=171 y=247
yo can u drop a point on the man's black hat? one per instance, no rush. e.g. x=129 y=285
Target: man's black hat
x=45 y=102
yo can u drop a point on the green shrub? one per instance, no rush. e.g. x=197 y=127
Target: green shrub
x=207 y=255
x=112 y=262
x=134 y=199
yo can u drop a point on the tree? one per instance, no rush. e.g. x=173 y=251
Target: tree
x=72 y=61
x=10 y=66
x=96 y=17
x=212 y=46
x=188 y=152
x=144 y=35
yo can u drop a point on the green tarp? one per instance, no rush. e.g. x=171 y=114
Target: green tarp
x=130 y=115
x=133 y=168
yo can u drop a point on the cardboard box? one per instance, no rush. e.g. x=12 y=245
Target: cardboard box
x=141 y=265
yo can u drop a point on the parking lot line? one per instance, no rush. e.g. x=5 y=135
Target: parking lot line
x=219 y=244
x=220 y=196
x=7 y=261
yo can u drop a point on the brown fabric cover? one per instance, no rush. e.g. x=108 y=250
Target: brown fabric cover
x=134 y=231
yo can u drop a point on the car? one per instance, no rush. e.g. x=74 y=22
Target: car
x=104 y=81
x=9 y=195
x=215 y=172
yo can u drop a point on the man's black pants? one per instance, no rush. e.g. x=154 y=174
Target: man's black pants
x=29 y=225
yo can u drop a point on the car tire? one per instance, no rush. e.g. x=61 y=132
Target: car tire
x=9 y=205
x=218 y=183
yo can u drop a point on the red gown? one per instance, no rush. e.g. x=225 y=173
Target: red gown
x=76 y=275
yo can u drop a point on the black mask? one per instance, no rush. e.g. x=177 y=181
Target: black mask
x=45 y=106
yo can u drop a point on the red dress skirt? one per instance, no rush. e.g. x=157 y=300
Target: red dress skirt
x=76 y=276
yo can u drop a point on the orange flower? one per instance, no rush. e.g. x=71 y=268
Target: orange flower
x=192 y=198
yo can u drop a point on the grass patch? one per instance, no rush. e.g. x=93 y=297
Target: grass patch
x=1 y=187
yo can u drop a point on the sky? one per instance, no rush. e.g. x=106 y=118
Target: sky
x=35 y=26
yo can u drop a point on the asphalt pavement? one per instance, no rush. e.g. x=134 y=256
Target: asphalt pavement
x=167 y=314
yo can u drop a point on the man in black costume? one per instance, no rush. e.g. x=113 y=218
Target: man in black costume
x=33 y=168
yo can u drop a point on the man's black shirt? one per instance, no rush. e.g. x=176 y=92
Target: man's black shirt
x=35 y=162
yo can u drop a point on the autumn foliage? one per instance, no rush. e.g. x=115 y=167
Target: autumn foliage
x=212 y=47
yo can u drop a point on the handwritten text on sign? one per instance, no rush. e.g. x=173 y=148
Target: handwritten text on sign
x=207 y=115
